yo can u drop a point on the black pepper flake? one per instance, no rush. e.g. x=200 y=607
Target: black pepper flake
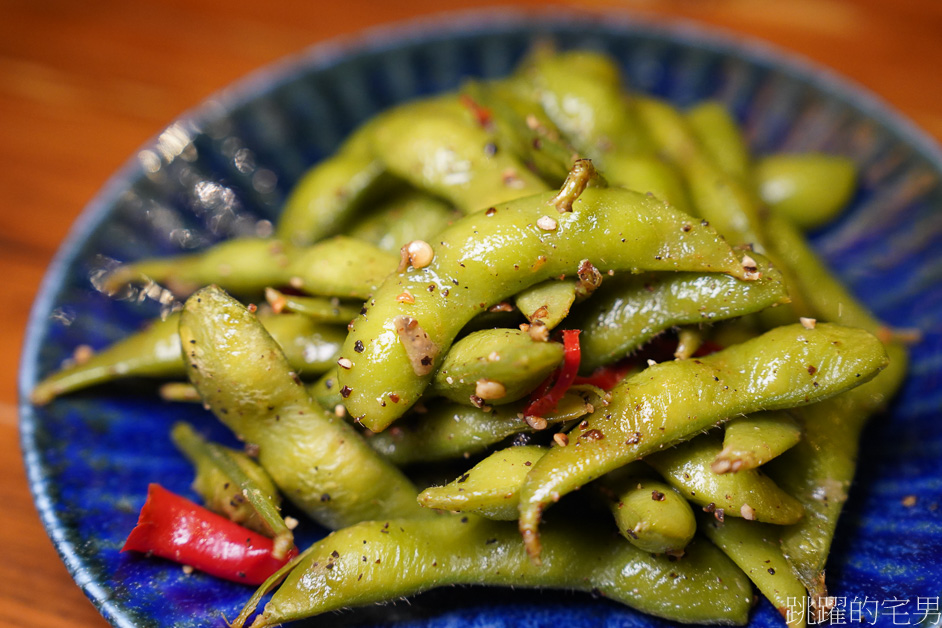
x=463 y=478
x=426 y=360
x=658 y=496
x=709 y=507
x=329 y=566
x=631 y=533
x=490 y=541
x=335 y=554
x=720 y=515
x=593 y=435
x=360 y=577
x=812 y=369
x=325 y=497
x=687 y=228
x=241 y=574
x=464 y=520
x=345 y=391
x=363 y=311
x=490 y=149
x=477 y=401
x=358 y=346
x=771 y=571
x=634 y=438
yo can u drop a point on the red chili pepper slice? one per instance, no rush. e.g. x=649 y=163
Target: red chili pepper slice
x=607 y=377
x=173 y=527
x=544 y=401
x=481 y=113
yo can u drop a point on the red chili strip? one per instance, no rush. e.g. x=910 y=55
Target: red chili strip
x=482 y=114
x=173 y=527
x=545 y=402
x=607 y=377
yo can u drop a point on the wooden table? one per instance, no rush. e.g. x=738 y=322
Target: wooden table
x=84 y=84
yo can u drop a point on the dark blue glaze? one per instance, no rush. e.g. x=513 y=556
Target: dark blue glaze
x=90 y=456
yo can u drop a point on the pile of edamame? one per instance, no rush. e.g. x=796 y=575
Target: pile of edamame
x=566 y=285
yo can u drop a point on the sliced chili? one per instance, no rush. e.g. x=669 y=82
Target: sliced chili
x=173 y=527
x=544 y=398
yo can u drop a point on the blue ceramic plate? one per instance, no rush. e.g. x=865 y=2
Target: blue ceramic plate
x=224 y=170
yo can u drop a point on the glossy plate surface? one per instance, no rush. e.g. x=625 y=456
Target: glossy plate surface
x=224 y=170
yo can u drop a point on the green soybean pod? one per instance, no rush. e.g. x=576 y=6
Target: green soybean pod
x=627 y=311
x=320 y=309
x=244 y=266
x=808 y=189
x=548 y=302
x=819 y=470
x=318 y=461
x=751 y=441
x=155 y=352
x=583 y=94
x=648 y=174
x=648 y=512
x=489 y=488
x=673 y=401
x=495 y=366
x=401 y=218
x=755 y=548
x=323 y=202
x=235 y=486
x=437 y=146
x=721 y=138
x=388 y=559
x=521 y=125
x=400 y=339
x=447 y=430
x=722 y=199
x=749 y=494
x=340 y=267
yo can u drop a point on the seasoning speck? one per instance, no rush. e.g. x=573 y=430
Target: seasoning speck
x=546 y=223
x=807 y=323
x=561 y=439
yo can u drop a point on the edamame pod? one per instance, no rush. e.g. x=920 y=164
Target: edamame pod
x=628 y=311
x=449 y=430
x=322 y=202
x=407 y=216
x=819 y=469
x=234 y=485
x=751 y=441
x=648 y=174
x=582 y=92
x=721 y=138
x=490 y=488
x=340 y=267
x=437 y=146
x=155 y=352
x=749 y=494
x=721 y=199
x=485 y=258
x=672 y=401
x=320 y=309
x=755 y=548
x=547 y=302
x=243 y=266
x=318 y=461
x=648 y=512
x=383 y=560
x=523 y=127
x=808 y=189
x=495 y=366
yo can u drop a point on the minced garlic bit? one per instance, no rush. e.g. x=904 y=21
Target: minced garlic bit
x=747 y=512
x=538 y=331
x=536 y=422
x=82 y=354
x=560 y=439
x=807 y=323
x=749 y=265
x=651 y=362
x=419 y=347
x=187 y=569
x=489 y=389
x=276 y=300
x=340 y=411
x=291 y=523
x=546 y=223
x=345 y=363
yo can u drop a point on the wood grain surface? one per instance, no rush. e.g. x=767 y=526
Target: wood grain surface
x=84 y=84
